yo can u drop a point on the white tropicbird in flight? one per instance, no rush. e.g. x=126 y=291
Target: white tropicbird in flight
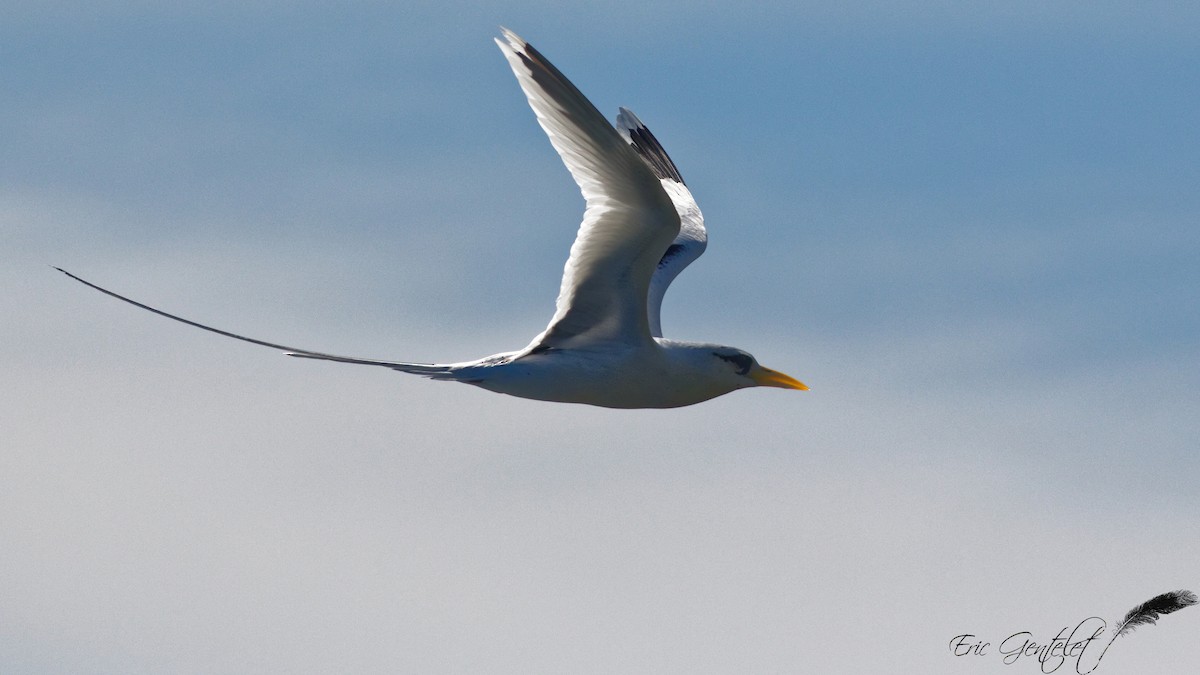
x=641 y=227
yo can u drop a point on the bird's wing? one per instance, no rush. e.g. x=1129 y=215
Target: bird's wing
x=433 y=370
x=627 y=225
x=692 y=238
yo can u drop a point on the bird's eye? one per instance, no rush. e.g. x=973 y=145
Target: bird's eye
x=742 y=361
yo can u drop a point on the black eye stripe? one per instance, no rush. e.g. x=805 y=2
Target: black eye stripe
x=742 y=361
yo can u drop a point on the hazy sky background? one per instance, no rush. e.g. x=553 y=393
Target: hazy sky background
x=971 y=228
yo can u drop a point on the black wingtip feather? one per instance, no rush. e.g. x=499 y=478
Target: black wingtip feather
x=647 y=146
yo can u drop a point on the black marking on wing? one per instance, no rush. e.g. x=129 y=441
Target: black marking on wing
x=545 y=74
x=652 y=151
x=672 y=251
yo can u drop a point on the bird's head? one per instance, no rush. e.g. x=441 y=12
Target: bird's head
x=746 y=371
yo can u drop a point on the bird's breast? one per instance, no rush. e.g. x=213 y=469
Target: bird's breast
x=611 y=379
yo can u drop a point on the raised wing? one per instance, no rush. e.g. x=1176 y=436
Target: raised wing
x=629 y=221
x=692 y=238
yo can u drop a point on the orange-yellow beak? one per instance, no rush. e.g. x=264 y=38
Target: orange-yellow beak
x=765 y=377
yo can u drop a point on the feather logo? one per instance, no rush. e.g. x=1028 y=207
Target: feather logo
x=1076 y=643
x=1147 y=613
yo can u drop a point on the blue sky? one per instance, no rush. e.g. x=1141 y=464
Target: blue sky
x=971 y=231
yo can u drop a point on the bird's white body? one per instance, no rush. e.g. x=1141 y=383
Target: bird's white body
x=667 y=374
x=641 y=227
